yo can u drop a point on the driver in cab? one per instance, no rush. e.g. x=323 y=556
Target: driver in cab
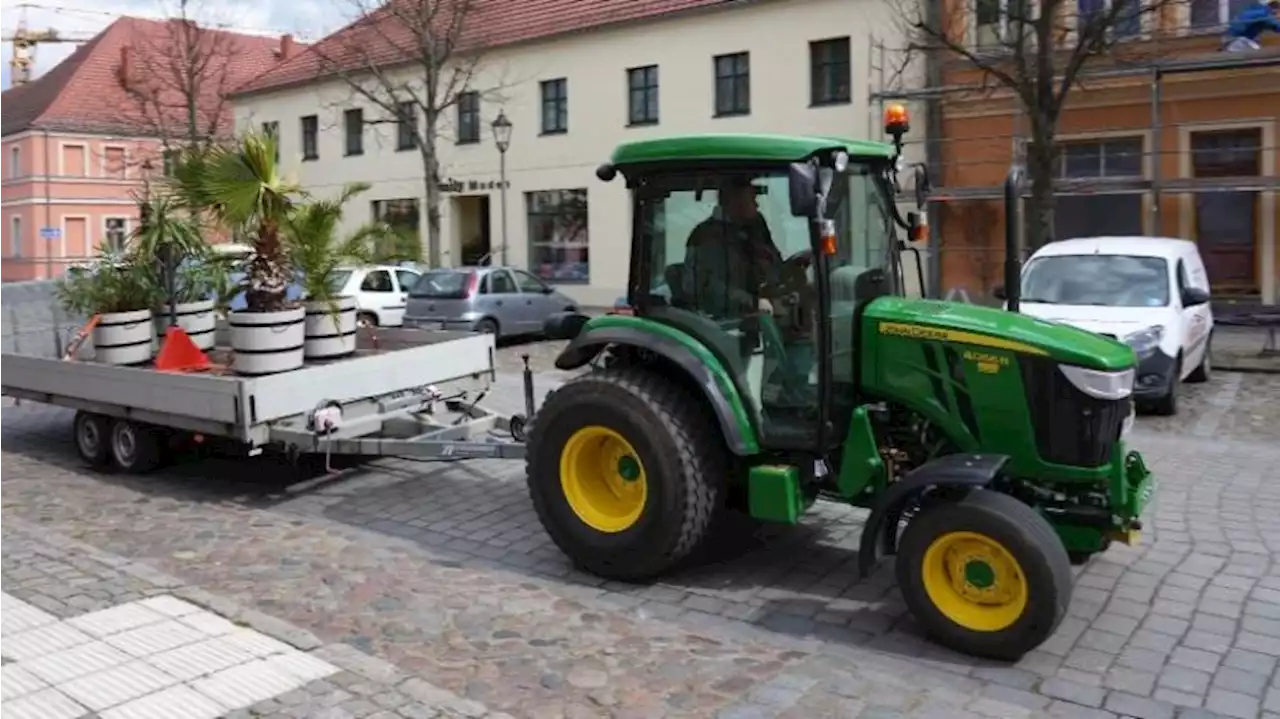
x=734 y=264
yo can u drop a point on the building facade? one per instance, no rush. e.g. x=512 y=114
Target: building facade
x=1181 y=142
x=81 y=141
x=787 y=66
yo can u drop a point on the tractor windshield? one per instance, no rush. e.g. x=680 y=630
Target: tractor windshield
x=728 y=263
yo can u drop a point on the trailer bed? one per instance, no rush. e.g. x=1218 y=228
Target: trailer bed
x=387 y=362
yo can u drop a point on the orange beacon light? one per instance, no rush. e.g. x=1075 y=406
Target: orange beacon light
x=896 y=120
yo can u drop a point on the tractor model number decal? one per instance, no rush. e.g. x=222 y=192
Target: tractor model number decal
x=987 y=363
x=902 y=329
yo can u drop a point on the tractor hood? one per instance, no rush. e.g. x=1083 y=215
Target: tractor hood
x=997 y=329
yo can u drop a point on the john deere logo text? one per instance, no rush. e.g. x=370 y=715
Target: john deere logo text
x=987 y=363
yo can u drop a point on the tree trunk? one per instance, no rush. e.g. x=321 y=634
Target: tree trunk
x=431 y=178
x=1039 y=213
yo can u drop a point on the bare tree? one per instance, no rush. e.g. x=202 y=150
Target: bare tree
x=413 y=61
x=1040 y=52
x=179 y=80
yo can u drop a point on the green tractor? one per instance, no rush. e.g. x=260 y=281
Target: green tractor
x=771 y=358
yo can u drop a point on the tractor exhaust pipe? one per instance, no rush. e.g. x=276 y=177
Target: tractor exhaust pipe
x=1012 y=222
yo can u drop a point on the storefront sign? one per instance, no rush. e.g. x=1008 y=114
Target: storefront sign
x=452 y=185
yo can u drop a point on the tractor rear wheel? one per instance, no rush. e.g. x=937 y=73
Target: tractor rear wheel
x=626 y=471
x=985 y=576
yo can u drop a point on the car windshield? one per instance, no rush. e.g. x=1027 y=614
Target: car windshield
x=441 y=284
x=1106 y=280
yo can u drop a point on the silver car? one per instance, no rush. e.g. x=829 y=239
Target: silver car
x=504 y=301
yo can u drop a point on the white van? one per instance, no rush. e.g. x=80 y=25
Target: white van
x=1150 y=292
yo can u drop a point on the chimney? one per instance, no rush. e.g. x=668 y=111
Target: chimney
x=286 y=46
x=126 y=66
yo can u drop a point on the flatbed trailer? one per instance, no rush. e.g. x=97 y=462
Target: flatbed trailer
x=410 y=393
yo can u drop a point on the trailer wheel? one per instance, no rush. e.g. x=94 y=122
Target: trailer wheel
x=135 y=447
x=93 y=432
x=985 y=576
x=626 y=471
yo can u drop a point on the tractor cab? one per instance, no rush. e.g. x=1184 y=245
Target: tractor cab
x=762 y=248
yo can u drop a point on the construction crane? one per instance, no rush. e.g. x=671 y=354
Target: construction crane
x=23 y=59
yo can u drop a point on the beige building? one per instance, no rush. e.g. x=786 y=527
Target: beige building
x=626 y=72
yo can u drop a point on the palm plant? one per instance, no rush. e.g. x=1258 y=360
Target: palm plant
x=315 y=249
x=240 y=187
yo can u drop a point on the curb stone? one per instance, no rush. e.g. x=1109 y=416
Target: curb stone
x=342 y=656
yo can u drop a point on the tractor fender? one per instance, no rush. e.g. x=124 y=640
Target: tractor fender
x=955 y=470
x=725 y=402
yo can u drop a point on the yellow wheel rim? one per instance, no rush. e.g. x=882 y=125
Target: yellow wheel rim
x=974 y=581
x=603 y=479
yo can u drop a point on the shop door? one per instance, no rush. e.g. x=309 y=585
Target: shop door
x=1227 y=221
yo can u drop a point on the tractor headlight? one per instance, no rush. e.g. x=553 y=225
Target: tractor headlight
x=1144 y=342
x=1098 y=383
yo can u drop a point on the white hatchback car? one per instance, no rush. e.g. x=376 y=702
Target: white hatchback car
x=1150 y=292
x=381 y=292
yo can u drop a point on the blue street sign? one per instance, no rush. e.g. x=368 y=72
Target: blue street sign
x=50 y=233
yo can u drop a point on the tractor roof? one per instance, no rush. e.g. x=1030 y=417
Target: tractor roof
x=743 y=147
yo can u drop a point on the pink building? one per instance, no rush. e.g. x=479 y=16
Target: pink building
x=80 y=141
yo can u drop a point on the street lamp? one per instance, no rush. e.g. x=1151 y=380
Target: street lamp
x=502 y=138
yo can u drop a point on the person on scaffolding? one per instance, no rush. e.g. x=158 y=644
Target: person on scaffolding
x=1248 y=26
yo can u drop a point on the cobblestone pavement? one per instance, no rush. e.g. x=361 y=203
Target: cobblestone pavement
x=94 y=631
x=443 y=570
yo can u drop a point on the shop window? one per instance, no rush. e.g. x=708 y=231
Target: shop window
x=558 y=240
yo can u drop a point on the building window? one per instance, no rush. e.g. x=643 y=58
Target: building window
x=310 y=137
x=1099 y=212
x=272 y=130
x=115 y=233
x=829 y=71
x=558 y=242
x=15 y=162
x=114 y=163
x=642 y=106
x=403 y=216
x=1215 y=13
x=733 y=84
x=1126 y=23
x=468 y=118
x=75 y=160
x=995 y=21
x=169 y=160
x=353 y=128
x=407 y=126
x=1227 y=223
x=15 y=236
x=555 y=106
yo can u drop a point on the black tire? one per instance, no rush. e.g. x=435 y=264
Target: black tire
x=135 y=447
x=93 y=439
x=1203 y=371
x=487 y=326
x=1166 y=405
x=1040 y=558
x=678 y=445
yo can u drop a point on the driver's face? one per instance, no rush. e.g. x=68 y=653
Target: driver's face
x=740 y=203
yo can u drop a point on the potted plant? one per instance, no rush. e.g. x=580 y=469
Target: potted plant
x=119 y=291
x=317 y=254
x=240 y=187
x=172 y=243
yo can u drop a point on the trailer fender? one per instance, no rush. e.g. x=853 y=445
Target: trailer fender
x=691 y=356
x=965 y=471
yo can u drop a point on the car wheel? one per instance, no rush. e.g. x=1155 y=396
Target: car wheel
x=487 y=326
x=1204 y=370
x=366 y=319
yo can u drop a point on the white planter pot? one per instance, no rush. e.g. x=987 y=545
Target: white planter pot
x=197 y=319
x=330 y=334
x=123 y=338
x=267 y=342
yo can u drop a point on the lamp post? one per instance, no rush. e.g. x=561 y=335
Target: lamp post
x=502 y=138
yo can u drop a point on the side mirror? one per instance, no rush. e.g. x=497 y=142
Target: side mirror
x=548 y=289
x=1194 y=297
x=802 y=186
x=999 y=293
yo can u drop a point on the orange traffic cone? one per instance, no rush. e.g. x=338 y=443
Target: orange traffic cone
x=179 y=354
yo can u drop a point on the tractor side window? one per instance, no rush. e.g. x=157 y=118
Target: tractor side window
x=717 y=247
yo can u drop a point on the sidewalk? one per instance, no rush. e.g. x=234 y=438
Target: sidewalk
x=1240 y=349
x=87 y=634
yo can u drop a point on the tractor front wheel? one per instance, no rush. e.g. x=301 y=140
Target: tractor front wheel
x=985 y=576
x=626 y=471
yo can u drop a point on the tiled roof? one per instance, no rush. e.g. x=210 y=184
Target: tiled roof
x=85 y=92
x=378 y=38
